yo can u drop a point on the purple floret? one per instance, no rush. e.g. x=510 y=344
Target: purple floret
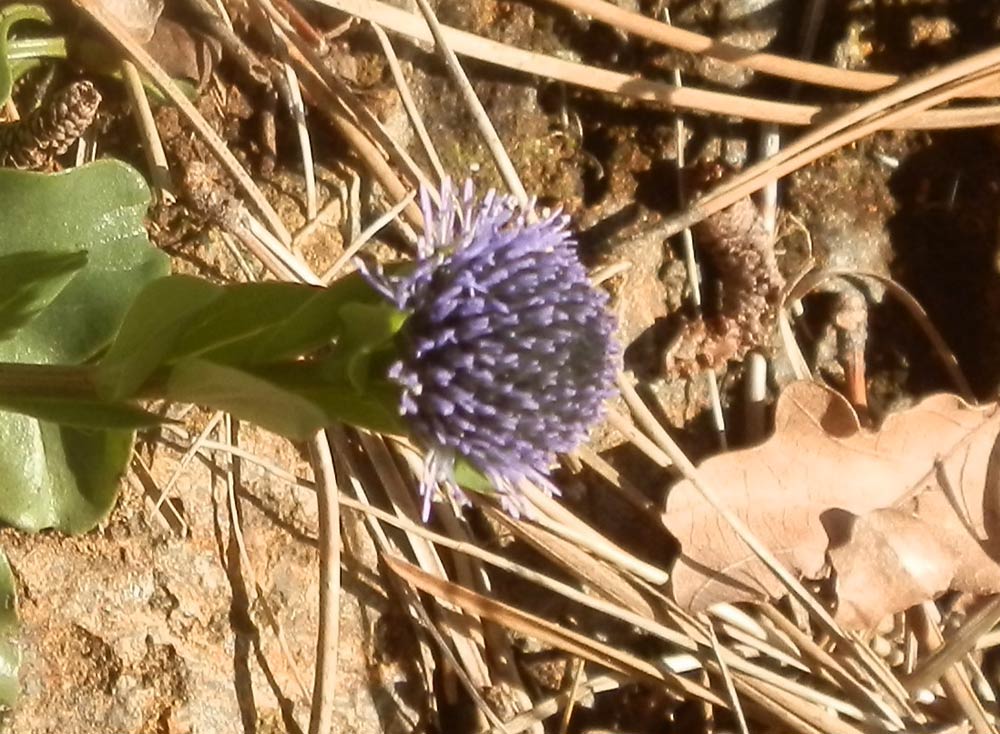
x=508 y=353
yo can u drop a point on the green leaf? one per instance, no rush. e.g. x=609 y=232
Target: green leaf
x=29 y=281
x=71 y=481
x=326 y=387
x=10 y=15
x=260 y=323
x=59 y=476
x=375 y=409
x=241 y=324
x=245 y=316
x=10 y=654
x=294 y=400
x=368 y=329
x=317 y=322
x=247 y=396
x=153 y=324
x=469 y=478
x=238 y=324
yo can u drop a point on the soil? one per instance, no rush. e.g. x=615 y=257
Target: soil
x=146 y=625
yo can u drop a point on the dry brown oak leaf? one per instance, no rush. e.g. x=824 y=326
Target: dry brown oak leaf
x=823 y=484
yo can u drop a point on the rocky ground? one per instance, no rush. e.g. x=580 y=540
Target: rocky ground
x=161 y=622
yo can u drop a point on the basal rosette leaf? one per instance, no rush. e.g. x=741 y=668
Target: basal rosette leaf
x=30 y=281
x=54 y=476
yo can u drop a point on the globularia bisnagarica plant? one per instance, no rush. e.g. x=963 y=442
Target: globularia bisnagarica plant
x=491 y=351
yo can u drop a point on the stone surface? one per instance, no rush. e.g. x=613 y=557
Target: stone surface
x=133 y=628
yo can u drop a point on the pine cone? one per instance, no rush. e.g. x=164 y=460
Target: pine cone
x=48 y=131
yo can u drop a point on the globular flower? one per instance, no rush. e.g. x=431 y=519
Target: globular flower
x=507 y=354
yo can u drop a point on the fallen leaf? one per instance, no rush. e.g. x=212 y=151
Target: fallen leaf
x=894 y=559
x=890 y=561
x=931 y=461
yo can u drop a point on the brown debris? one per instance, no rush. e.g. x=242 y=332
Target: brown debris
x=34 y=141
x=208 y=198
x=741 y=250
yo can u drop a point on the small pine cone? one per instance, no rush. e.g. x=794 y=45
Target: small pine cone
x=48 y=131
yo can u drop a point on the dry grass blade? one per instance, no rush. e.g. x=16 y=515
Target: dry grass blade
x=550 y=706
x=406 y=96
x=788 y=711
x=944 y=353
x=500 y=655
x=469 y=44
x=348 y=110
x=374 y=518
x=149 y=66
x=268 y=466
x=755 y=397
x=615 y=478
x=365 y=237
x=346 y=114
x=468 y=642
x=199 y=442
x=258 y=240
x=634 y=436
x=931 y=668
x=603 y=273
x=955 y=680
x=578 y=667
x=613 y=610
x=246 y=565
x=548 y=632
x=298 y=111
x=486 y=129
x=141 y=478
x=796 y=359
x=561 y=521
x=557 y=587
x=691 y=262
x=152 y=146
x=735 y=662
x=303 y=27
x=899 y=103
x=727 y=681
x=590 y=77
x=780 y=66
x=327 y=642
x=753 y=646
x=420 y=617
x=822 y=660
x=594 y=574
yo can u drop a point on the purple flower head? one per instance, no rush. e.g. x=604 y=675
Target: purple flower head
x=507 y=355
